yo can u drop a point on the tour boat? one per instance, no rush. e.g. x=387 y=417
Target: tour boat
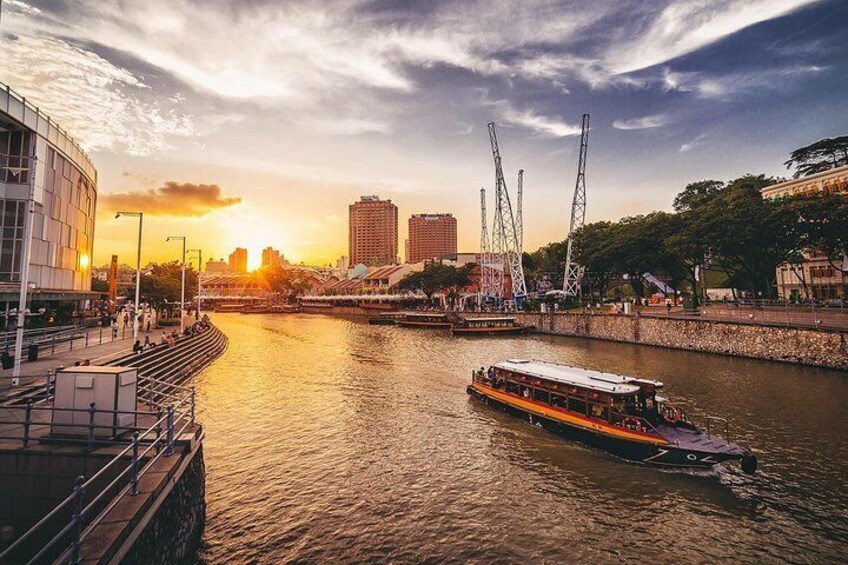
x=386 y=318
x=622 y=415
x=425 y=320
x=229 y=307
x=488 y=326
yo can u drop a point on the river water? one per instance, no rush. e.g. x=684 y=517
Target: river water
x=329 y=440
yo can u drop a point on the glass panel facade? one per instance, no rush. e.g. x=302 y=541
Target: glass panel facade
x=11 y=239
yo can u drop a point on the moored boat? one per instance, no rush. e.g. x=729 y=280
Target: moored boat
x=488 y=326
x=425 y=320
x=622 y=415
x=386 y=318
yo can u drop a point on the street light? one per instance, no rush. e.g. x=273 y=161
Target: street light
x=182 y=286
x=199 y=267
x=140 y=217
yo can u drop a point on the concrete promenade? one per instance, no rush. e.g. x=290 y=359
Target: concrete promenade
x=164 y=521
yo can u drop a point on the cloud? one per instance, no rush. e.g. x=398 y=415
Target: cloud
x=693 y=143
x=102 y=105
x=543 y=125
x=646 y=122
x=685 y=27
x=172 y=199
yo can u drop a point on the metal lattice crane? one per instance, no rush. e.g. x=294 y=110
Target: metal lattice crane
x=504 y=235
x=519 y=214
x=573 y=271
x=486 y=286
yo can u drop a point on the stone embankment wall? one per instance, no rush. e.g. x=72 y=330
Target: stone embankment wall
x=174 y=534
x=805 y=346
x=791 y=345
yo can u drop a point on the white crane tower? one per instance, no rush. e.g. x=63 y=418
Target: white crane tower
x=573 y=271
x=506 y=249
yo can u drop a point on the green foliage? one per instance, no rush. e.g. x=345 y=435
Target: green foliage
x=728 y=227
x=438 y=278
x=288 y=283
x=99 y=286
x=822 y=155
x=163 y=283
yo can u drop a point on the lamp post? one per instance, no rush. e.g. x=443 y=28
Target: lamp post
x=182 y=284
x=199 y=267
x=25 y=259
x=140 y=217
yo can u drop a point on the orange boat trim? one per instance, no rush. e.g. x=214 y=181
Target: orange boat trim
x=562 y=416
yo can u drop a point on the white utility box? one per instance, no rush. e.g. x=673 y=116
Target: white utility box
x=110 y=388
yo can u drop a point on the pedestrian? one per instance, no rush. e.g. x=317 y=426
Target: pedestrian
x=114 y=329
x=668 y=307
x=148 y=324
x=137 y=347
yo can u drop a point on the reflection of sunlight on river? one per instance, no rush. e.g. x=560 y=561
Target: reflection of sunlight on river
x=328 y=440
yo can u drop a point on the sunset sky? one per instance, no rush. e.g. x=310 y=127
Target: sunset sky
x=256 y=123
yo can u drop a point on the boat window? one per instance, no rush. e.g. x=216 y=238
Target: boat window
x=599 y=411
x=541 y=395
x=511 y=387
x=576 y=405
x=524 y=391
x=557 y=401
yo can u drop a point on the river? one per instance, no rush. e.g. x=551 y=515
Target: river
x=329 y=440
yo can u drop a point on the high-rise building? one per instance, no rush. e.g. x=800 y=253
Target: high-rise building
x=238 y=260
x=373 y=235
x=431 y=236
x=271 y=257
x=217 y=266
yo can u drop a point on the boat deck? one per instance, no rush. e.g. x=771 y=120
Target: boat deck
x=697 y=441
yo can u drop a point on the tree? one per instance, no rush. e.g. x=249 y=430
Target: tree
x=745 y=235
x=98 y=285
x=595 y=249
x=163 y=283
x=437 y=277
x=697 y=194
x=822 y=155
x=287 y=282
x=817 y=223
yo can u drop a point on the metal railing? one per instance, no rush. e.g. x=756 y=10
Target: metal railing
x=172 y=406
x=140 y=453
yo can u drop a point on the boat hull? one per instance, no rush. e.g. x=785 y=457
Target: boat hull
x=382 y=321
x=509 y=330
x=425 y=325
x=642 y=450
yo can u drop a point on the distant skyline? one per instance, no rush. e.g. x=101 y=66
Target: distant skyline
x=255 y=123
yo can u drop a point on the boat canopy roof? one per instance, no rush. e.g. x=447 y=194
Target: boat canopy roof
x=577 y=376
x=492 y=319
x=425 y=315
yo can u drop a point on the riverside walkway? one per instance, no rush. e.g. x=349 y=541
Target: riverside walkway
x=90 y=499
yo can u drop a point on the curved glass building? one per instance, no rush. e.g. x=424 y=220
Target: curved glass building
x=39 y=160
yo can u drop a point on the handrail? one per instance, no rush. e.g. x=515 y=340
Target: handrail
x=181 y=408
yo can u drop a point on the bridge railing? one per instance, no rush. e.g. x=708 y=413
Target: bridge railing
x=141 y=451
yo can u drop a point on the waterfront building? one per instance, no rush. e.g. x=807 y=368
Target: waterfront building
x=41 y=163
x=217 y=266
x=373 y=232
x=238 y=260
x=816 y=277
x=385 y=279
x=272 y=257
x=431 y=236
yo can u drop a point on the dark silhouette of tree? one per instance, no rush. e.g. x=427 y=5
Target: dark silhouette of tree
x=820 y=156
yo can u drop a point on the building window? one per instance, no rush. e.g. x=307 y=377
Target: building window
x=14 y=156
x=11 y=243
